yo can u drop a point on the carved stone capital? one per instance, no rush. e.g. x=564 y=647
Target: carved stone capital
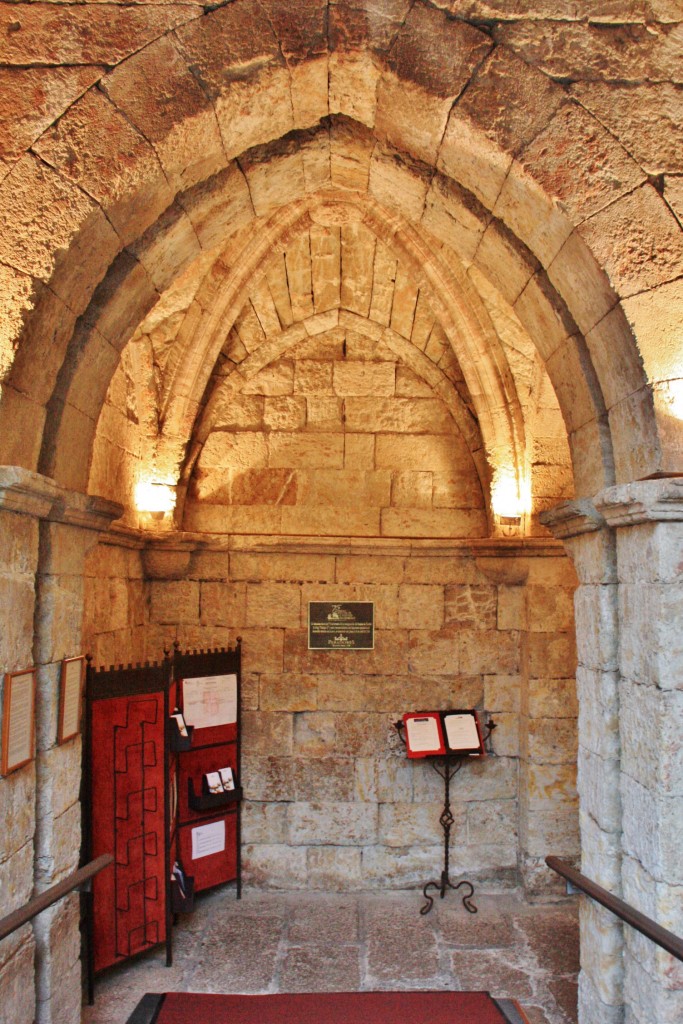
x=643 y=501
x=572 y=519
x=32 y=494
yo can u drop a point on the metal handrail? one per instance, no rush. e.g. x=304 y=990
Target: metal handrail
x=24 y=914
x=645 y=925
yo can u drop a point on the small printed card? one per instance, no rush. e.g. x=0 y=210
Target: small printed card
x=214 y=782
x=227 y=779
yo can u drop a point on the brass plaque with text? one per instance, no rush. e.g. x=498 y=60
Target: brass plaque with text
x=341 y=626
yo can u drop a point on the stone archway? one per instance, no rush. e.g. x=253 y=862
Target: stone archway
x=148 y=164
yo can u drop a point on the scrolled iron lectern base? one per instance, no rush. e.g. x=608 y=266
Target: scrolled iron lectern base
x=447 y=766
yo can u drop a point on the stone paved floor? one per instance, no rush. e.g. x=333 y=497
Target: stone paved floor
x=298 y=942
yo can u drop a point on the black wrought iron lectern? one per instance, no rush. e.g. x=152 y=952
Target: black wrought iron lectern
x=447 y=766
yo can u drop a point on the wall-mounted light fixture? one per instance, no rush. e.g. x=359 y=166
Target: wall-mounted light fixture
x=510 y=502
x=154 y=499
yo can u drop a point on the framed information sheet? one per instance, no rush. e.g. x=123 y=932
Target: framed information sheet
x=18 y=720
x=70 y=698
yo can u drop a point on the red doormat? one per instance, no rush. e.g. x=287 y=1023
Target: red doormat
x=330 y=1008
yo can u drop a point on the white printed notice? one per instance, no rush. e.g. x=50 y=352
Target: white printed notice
x=423 y=733
x=461 y=732
x=210 y=701
x=208 y=839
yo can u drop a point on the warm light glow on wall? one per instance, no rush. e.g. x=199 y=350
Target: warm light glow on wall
x=154 y=497
x=510 y=497
x=673 y=396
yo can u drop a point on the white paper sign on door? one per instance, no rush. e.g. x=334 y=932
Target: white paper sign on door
x=208 y=839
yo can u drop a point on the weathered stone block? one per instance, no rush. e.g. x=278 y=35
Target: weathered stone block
x=493 y=821
x=333 y=868
x=444 y=692
x=502 y=693
x=342 y=488
x=552 y=740
x=320 y=450
x=174 y=602
x=547 y=786
x=470 y=607
x=337 y=824
x=291 y=693
x=436 y=652
x=409 y=824
x=411 y=489
x=266 y=733
x=552 y=698
x=273 y=604
x=359 y=451
x=364 y=379
x=492 y=779
x=551 y=655
x=489 y=651
x=267 y=778
x=396 y=867
x=274 y=379
x=314 y=733
x=17 y=990
x=223 y=604
x=550 y=609
x=59 y=846
x=59 y=779
x=324 y=779
x=16 y=881
x=281 y=567
x=363 y=733
x=637 y=241
x=653 y=830
x=598 y=786
x=274 y=866
x=262 y=650
x=505 y=738
x=421 y=606
x=264 y=822
x=397 y=522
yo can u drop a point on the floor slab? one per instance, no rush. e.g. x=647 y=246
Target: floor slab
x=315 y=942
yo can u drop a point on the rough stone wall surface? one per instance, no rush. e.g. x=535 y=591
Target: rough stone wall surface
x=332 y=801
x=115 y=611
x=19 y=543
x=651 y=782
x=336 y=437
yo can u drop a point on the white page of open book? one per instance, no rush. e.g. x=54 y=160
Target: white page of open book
x=461 y=732
x=423 y=734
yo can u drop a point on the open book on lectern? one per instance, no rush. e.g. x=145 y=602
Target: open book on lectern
x=434 y=733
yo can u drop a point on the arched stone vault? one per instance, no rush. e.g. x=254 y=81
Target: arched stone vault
x=130 y=165
x=525 y=172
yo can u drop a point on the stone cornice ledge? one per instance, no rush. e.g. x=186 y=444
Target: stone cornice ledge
x=31 y=494
x=642 y=501
x=572 y=518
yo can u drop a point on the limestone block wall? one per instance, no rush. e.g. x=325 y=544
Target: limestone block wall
x=332 y=801
x=19 y=544
x=115 y=603
x=337 y=437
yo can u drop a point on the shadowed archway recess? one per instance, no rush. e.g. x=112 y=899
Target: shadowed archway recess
x=394 y=121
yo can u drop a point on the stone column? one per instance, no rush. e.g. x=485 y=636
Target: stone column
x=23 y=498
x=535 y=582
x=71 y=531
x=648 y=519
x=48 y=544
x=592 y=547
